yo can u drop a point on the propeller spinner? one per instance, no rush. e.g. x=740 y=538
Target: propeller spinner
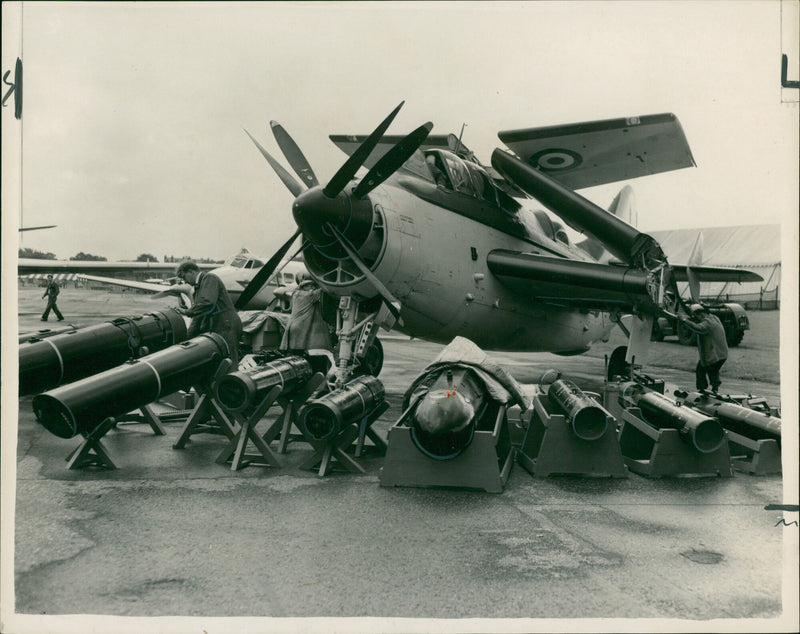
x=335 y=222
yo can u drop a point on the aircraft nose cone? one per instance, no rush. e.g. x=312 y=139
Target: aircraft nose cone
x=312 y=211
x=443 y=411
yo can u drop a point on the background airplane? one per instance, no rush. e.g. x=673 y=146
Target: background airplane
x=436 y=244
x=236 y=274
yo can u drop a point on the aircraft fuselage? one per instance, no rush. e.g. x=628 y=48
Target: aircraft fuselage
x=428 y=246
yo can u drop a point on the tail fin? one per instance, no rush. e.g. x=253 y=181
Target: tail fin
x=623 y=207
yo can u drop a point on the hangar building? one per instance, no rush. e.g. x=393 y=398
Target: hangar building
x=752 y=247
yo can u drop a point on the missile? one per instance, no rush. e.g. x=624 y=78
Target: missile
x=587 y=419
x=243 y=389
x=70 y=356
x=324 y=417
x=705 y=433
x=742 y=420
x=80 y=406
x=444 y=420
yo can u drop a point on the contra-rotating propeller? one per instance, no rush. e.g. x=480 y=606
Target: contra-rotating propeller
x=332 y=220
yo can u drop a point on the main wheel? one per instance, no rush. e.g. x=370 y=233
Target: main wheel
x=372 y=363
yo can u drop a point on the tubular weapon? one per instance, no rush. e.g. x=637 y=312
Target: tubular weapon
x=444 y=421
x=241 y=390
x=80 y=406
x=737 y=418
x=704 y=432
x=588 y=420
x=38 y=335
x=68 y=357
x=324 y=418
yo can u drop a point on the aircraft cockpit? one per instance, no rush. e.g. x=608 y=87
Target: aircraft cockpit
x=551 y=228
x=453 y=173
x=245 y=262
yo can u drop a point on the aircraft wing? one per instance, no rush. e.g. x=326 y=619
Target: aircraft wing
x=182 y=291
x=715 y=274
x=593 y=153
x=32 y=265
x=572 y=283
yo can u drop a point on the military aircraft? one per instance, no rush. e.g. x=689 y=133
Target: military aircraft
x=236 y=274
x=436 y=244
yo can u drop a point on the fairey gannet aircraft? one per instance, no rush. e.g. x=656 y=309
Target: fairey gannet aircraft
x=434 y=243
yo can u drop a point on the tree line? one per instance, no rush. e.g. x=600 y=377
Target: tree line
x=89 y=257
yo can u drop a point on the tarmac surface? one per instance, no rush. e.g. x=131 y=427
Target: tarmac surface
x=172 y=533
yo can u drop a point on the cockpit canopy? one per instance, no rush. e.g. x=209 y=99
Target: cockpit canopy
x=453 y=173
x=246 y=262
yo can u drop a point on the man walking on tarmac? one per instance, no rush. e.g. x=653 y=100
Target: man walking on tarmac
x=51 y=293
x=212 y=309
x=711 y=346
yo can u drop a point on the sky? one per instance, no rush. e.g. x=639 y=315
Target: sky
x=132 y=136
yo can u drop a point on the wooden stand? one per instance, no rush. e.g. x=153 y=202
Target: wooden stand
x=207 y=416
x=549 y=447
x=91 y=453
x=147 y=416
x=236 y=450
x=756 y=457
x=484 y=464
x=662 y=452
x=332 y=452
x=291 y=404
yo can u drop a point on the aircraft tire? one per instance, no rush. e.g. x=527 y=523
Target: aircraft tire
x=372 y=363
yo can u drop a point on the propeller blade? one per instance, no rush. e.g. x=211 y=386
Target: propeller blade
x=391 y=302
x=695 y=259
x=293 y=155
x=266 y=271
x=357 y=158
x=288 y=180
x=392 y=160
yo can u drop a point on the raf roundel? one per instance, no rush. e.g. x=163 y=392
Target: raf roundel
x=556 y=159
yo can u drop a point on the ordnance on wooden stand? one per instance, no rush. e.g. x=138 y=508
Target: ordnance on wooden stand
x=454 y=430
x=754 y=436
x=734 y=417
x=243 y=389
x=569 y=432
x=88 y=404
x=248 y=394
x=702 y=431
x=588 y=420
x=333 y=421
x=660 y=437
x=68 y=357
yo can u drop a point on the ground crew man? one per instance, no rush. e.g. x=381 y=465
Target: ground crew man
x=306 y=329
x=212 y=309
x=712 y=346
x=51 y=293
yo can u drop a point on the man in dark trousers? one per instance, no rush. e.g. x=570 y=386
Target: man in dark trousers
x=51 y=293
x=711 y=346
x=212 y=309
